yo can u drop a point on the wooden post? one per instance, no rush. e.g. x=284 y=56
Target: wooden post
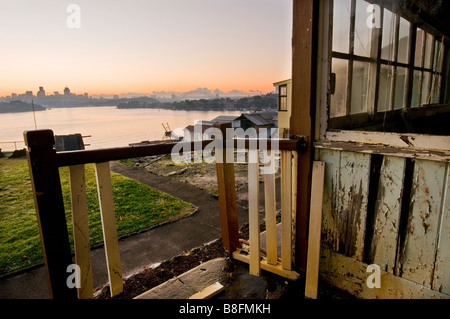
x=312 y=271
x=80 y=222
x=227 y=196
x=286 y=206
x=270 y=212
x=49 y=205
x=253 y=211
x=304 y=56
x=109 y=226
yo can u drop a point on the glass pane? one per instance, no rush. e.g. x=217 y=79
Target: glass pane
x=403 y=41
x=363 y=34
x=418 y=55
x=438 y=53
x=384 y=92
x=428 y=50
x=283 y=103
x=387 y=38
x=341 y=25
x=436 y=88
x=425 y=88
x=399 y=91
x=339 y=98
x=415 y=98
x=359 y=87
x=283 y=90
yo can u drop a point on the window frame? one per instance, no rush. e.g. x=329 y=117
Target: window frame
x=376 y=62
x=280 y=96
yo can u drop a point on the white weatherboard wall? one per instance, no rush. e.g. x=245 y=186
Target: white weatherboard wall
x=415 y=266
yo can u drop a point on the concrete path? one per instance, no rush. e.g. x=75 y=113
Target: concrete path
x=142 y=250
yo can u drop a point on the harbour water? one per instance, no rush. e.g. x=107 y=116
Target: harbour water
x=107 y=126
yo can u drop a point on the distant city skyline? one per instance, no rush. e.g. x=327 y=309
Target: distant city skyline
x=42 y=92
x=141 y=46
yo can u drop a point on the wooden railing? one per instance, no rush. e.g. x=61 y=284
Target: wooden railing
x=44 y=163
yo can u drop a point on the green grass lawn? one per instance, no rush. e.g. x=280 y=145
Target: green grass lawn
x=137 y=207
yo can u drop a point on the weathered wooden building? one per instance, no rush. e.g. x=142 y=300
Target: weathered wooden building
x=370 y=91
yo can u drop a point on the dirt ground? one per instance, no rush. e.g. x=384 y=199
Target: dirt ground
x=201 y=175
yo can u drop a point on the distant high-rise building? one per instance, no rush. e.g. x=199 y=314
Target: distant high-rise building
x=29 y=93
x=41 y=92
x=14 y=95
x=55 y=93
x=66 y=91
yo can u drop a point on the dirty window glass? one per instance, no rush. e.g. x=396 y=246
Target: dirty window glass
x=384 y=95
x=399 y=92
x=387 y=38
x=339 y=98
x=363 y=34
x=359 y=87
x=341 y=25
x=403 y=41
x=418 y=53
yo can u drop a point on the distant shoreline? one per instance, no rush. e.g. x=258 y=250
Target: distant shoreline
x=19 y=107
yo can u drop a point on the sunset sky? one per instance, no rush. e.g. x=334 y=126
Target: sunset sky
x=142 y=46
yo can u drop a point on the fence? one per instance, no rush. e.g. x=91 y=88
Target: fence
x=44 y=162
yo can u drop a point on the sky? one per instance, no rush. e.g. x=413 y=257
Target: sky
x=143 y=46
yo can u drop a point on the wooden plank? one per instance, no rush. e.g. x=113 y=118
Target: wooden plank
x=253 y=208
x=226 y=186
x=108 y=218
x=277 y=269
x=294 y=175
x=351 y=275
x=315 y=220
x=387 y=213
x=330 y=216
x=353 y=193
x=209 y=291
x=49 y=204
x=441 y=278
x=432 y=155
x=80 y=227
x=286 y=203
x=270 y=212
x=304 y=63
x=400 y=140
x=418 y=254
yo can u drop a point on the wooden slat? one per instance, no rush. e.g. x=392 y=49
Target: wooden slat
x=277 y=269
x=387 y=212
x=81 y=230
x=353 y=194
x=441 y=274
x=419 y=252
x=330 y=216
x=294 y=204
x=109 y=227
x=315 y=221
x=270 y=211
x=286 y=202
x=209 y=291
x=253 y=207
